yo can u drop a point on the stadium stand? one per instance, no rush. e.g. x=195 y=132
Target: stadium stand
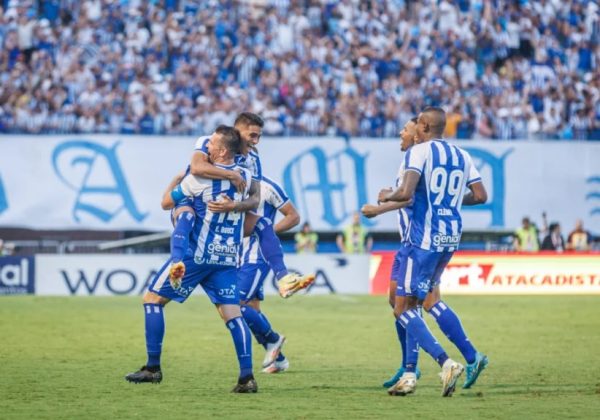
x=503 y=69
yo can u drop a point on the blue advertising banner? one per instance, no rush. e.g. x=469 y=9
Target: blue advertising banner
x=17 y=275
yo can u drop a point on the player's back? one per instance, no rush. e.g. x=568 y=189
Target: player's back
x=446 y=172
x=272 y=198
x=216 y=237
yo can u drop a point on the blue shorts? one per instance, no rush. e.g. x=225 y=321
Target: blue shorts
x=218 y=281
x=421 y=272
x=251 y=279
x=399 y=262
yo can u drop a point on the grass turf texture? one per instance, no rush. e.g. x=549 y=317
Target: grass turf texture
x=66 y=358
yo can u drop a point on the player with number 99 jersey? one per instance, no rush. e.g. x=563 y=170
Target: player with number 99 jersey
x=446 y=173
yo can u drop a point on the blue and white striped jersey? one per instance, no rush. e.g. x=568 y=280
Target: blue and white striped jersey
x=404 y=214
x=216 y=237
x=446 y=172
x=272 y=198
x=250 y=162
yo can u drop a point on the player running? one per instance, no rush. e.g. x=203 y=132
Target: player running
x=436 y=179
x=409 y=355
x=210 y=260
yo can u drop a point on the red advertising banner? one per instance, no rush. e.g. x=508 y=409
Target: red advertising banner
x=505 y=273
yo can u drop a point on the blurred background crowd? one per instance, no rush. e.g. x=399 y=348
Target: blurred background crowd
x=502 y=69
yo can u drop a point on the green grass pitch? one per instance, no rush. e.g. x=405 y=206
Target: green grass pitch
x=65 y=358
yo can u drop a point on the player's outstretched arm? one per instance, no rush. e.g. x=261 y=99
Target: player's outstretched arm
x=291 y=218
x=404 y=192
x=476 y=195
x=370 y=210
x=167 y=202
x=200 y=166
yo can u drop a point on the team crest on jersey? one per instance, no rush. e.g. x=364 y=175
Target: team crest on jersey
x=94 y=172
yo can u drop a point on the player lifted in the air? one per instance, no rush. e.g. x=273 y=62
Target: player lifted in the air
x=437 y=177
x=210 y=260
x=250 y=127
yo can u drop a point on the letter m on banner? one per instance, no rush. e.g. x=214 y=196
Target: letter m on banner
x=327 y=189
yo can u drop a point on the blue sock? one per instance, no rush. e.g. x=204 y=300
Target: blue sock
x=270 y=246
x=412 y=353
x=415 y=326
x=401 y=331
x=180 y=238
x=155 y=332
x=450 y=325
x=242 y=341
x=259 y=325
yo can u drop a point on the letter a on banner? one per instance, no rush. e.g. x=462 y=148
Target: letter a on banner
x=100 y=183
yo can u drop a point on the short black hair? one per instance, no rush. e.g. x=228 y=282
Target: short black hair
x=249 y=118
x=438 y=116
x=414 y=120
x=230 y=139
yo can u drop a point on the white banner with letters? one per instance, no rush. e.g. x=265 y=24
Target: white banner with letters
x=109 y=275
x=114 y=182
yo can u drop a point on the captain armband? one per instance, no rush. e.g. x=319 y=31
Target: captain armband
x=177 y=194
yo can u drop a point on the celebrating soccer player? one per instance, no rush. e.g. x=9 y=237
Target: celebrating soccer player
x=250 y=127
x=409 y=355
x=210 y=260
x=437 y=175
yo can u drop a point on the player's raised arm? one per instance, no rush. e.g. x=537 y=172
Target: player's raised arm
x=201 y=167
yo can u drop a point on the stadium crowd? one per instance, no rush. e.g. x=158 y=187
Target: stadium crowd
x=502 y=69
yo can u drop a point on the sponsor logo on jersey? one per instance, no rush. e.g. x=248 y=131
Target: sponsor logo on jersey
x=446 y=240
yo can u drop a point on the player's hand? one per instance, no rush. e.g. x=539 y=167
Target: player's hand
x=369 y=211
x=223 y=205
x=383 y=195
x=238 y=181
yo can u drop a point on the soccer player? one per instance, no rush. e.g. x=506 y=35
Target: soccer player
x=250 y=127
x=210 y=261
x=254 y=269
x=437 y=175
x=410 y=355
